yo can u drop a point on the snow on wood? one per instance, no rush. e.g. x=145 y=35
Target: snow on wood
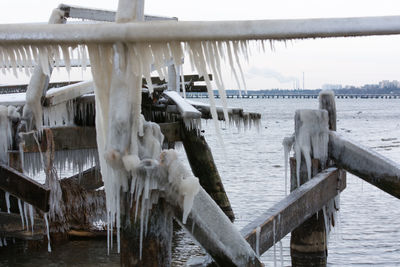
x=365 y=163
x=186 y=110
x=56 y=96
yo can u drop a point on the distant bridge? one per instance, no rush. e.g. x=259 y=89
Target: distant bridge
x=304 y=96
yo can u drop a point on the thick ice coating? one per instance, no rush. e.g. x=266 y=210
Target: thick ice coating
x=311 y=138
x=180 y=178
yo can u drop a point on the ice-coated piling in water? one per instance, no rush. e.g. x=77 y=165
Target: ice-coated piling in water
x=308 y=241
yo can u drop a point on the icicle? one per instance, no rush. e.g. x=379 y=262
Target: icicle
x=48 y=232
x=26 y=215
x=7 y=196
x=21 y=213
x=5 y=242
x=4 y=134
x=258 y=230
x=31 y=216
x=287 y=147
x=281 y=253
x=273 y=232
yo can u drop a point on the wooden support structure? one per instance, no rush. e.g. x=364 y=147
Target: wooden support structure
x=294 y=209
x=89 y=179
x=11 y=226
x=308 y=244
x=365 y=163
x=203 y=166
x=65 y=138
x=23 y=187
x=216 y=234
x=165 y=31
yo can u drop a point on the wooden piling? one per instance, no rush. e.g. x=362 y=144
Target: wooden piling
x=308 y=244
x=156 y=243
x=203 y=166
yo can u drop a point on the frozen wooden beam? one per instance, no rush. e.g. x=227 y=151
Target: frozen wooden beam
x=186 y=110
x=89 y=179
x=365 y=163
x=99 y=14
x=216 y=234
x=157 y=31
x=65 y=138
x=23 y=187
x=59 y=95
x=295 y=209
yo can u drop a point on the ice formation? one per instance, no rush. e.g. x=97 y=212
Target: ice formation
x=5 y=134
x=7 y=196
x=311 y=138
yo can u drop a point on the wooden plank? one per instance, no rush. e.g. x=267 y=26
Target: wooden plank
x=11 y=226
x=89 y=179
x=365 y=163
x=293 y=210
x=215 y=233
x=73 y=137
x=186 y=110
x=99 y=14
x=65 y=138
x=59 y=95
x=23 y=187
x=203 y=167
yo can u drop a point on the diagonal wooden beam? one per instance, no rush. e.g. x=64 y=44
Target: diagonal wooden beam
x=156 y=31
x=293 y=210
x=23 y=187
x=365 y=163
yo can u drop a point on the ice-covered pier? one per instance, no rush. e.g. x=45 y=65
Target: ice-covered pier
x=118 y=133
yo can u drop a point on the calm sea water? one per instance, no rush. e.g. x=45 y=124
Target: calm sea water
x=252 y=169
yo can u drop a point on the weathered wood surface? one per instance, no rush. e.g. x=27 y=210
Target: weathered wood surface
x=365 y=163
x=11 y=226
x=25 y=188
x=294 y=209
x=216 y=234
x=65 y=138
x=203 y=167
x=75 y=137
x=89 y=179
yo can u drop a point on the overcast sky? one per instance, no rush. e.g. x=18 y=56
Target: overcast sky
x=352 y=61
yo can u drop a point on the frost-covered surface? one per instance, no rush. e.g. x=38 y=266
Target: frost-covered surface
x=5 y=134
x=311 y=138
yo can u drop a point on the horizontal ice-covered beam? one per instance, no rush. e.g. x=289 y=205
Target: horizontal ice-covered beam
x=216 y=234
x=59 y=95
x=365 y=163
x=99 y=14
x=23 y=187
x=293 y=210
x=186 y=110
x=154 y=31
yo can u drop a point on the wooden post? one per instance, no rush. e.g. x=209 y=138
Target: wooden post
x=157 y=235
x=203 y=166
x=308 y=246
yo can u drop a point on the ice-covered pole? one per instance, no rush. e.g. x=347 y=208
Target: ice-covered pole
x=308 y=246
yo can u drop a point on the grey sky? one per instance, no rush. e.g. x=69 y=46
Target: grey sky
x=353 y=61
